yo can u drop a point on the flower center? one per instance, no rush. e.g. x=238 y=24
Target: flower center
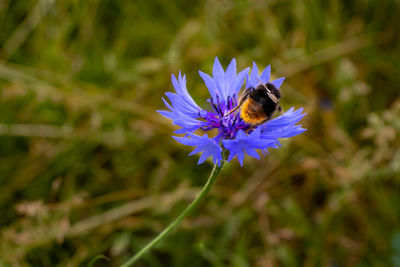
x=227 y=123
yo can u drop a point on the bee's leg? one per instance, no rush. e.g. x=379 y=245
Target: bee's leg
x=233 y=110
x=280 y=109
x=242 y=98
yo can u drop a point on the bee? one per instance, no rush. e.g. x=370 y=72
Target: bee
x=257 y=105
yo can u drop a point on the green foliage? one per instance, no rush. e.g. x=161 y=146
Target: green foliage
x=88 y=168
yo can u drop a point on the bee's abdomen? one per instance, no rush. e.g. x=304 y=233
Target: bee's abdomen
x=252 y=112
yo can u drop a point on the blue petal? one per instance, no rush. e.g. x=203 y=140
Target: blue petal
x=167 y=104
x=178 y=103
x=187 y=141
x=196 y=150
x=204 y=144
x=232 y=154
x=180 y=88
x=219 y=78
x=240 y=156
x=290 y=117
x=230 y=76
x=283 y=126
x=224 y=84
x=254 y=79
x=210 y=83
x=263 y=143
x=241 y=135
x=203 y=157
x=285 y=132
x=183 y=109
x=167 y=114
x=238 y=82
x=248 y=143
x=266 y=74
x=251 y=152
x=278 y=82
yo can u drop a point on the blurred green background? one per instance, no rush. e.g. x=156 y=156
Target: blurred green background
x=87 y=166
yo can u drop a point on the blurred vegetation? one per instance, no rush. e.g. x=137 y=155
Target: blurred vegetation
x=87 y=166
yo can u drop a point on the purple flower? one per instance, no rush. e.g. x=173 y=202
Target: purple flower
x=232 y=133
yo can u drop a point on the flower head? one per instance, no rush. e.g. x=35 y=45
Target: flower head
x=232 y=132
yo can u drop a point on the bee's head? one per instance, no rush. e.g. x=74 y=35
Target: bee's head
x=272 y=92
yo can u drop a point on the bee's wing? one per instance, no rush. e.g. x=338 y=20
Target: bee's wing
x=273 y=98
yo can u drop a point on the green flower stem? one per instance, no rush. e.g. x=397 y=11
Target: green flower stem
x=207 y=187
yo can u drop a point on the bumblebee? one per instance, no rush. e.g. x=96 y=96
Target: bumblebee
x=257 y=105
